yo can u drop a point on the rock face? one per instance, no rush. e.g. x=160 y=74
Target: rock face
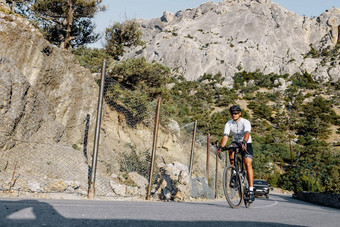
x=45 y=69
x=45 y=97
x=238 y=35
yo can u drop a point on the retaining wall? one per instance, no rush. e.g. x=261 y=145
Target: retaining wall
x=330 y=200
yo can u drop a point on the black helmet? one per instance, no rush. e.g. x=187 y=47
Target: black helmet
x=235 y=108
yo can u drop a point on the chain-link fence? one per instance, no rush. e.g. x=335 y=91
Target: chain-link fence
x=46 y=151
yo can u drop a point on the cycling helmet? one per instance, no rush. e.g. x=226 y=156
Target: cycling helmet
x=235 y=108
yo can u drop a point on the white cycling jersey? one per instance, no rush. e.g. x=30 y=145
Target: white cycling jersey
x=238 y=129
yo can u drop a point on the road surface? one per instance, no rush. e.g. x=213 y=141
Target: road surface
x=279 y=210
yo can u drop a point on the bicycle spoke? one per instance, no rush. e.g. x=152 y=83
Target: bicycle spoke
x=232 y=187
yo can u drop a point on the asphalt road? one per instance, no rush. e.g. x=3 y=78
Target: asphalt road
x=279 y=210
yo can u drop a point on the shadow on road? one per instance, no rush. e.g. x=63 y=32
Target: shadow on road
x=36 y=213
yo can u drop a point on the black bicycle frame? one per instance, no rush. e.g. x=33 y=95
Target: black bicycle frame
x=237 y=152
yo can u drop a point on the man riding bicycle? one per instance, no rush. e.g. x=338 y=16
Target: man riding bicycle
x=240 y=129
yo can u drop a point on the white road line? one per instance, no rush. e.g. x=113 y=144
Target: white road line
x=275 y=202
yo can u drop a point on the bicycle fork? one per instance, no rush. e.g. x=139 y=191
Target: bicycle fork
x=240 y=170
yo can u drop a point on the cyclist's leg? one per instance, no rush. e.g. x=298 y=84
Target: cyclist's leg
x=231 y=157
x=233 y=174
x=250 y=177
x=232 y=153
x=250 y=172
x=248 y=161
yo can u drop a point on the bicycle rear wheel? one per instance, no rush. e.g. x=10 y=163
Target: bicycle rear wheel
x=232 y=187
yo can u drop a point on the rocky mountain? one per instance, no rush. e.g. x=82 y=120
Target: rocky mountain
x=235 y=35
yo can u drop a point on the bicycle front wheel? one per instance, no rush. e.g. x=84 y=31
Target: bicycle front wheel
x=232 y=186
x=246 y=190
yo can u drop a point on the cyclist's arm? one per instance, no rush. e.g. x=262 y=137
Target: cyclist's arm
x=223 y=143
x=225 y=135
x=246 y=136
x=245 y=140
x=224 y=140
x=247 y=129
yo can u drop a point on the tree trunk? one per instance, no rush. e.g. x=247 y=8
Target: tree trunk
x=68 y=37
x=13 y=5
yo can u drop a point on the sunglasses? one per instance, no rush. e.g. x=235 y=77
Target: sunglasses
x=235 y=113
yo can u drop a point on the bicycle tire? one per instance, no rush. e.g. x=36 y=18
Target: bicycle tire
x=234 y=195
x=246 y=190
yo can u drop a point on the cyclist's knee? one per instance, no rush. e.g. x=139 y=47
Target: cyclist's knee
x=248 y=161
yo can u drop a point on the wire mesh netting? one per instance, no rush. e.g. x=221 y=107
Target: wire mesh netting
x=37 y=153
x=46 y=151
x=126 y=149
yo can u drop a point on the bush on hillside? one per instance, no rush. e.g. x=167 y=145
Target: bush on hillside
x=304 y=80
x=132 y=162
x=138 y=73
x=133 y=104
x=316 y=169
x=91 y=58
x=119 y=36
x=317 y=117
x=255 y=79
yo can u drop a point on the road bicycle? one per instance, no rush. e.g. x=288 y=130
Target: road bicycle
x=235 y=183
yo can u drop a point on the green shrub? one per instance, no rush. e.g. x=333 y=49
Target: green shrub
x=119 y=36
x=316 y=169
x=260 y=110
x=91 y=58
x=317 y=117
x=273 y=179
x=274 y=96
x=131 y=162
x=304 y=80
x=260 y=79
x=134 y=104
x=150 y=77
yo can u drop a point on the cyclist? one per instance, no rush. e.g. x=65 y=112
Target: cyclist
x=240 y=129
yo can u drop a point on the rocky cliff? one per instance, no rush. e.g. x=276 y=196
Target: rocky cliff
x=45 y=98
x=235 y=35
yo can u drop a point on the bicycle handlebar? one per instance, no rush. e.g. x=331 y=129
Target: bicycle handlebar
x=232 y=147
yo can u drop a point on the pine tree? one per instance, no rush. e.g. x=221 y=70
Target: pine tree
x=119 y=36
x=67 y=22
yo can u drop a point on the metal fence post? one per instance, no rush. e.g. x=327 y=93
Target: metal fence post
x=192 y=147
x=154 y=146
x=91 y=192
x=216 y=175
x=208 y=152
x=86 y=135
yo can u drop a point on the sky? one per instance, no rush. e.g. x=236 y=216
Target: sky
x=121 y=10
